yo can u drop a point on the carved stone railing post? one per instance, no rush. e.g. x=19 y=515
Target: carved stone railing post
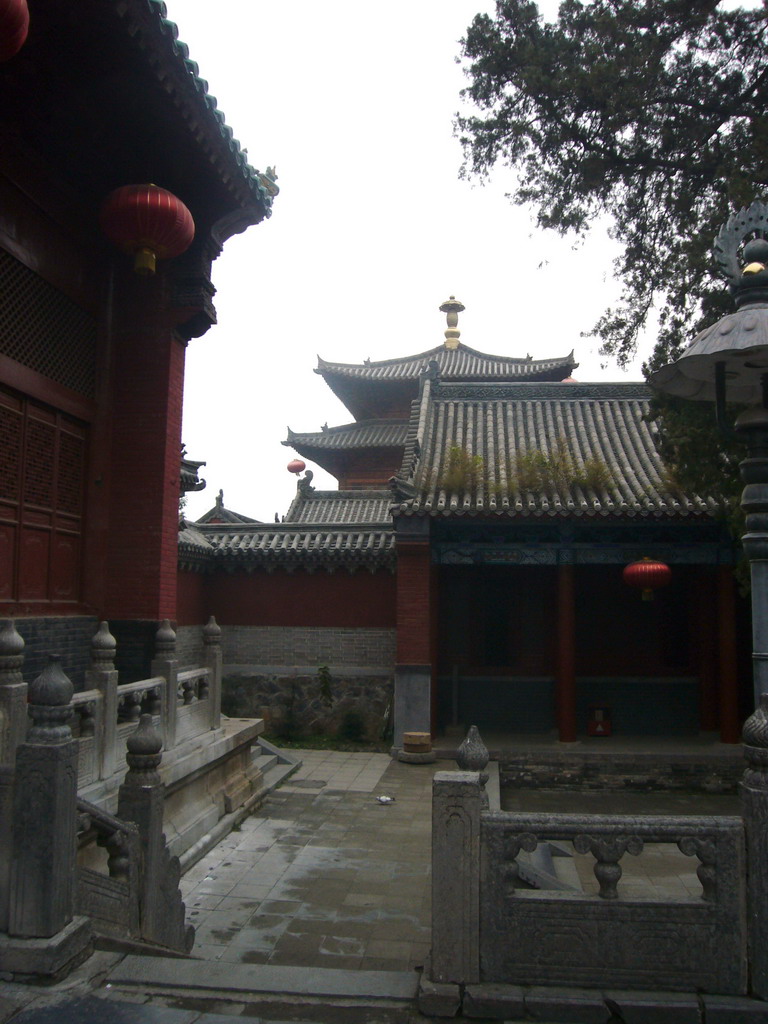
x=212 y=659
x=754 y=809
x=140 y=800
x=44 y=829
x=13 y=729
x=13 y=692
x=166 y=664
x=457 y=802
x=103 y=676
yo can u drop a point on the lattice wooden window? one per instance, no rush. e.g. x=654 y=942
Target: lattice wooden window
x=42 y=480
x=44 y=329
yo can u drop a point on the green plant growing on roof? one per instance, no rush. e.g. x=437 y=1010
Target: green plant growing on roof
x=595 y=475
x=462 y=471
x=556 y=471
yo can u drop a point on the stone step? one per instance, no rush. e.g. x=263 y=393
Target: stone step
x=107 y=1007
x=305 y=994
x=265 y=761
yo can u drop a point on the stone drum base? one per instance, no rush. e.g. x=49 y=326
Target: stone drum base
x=417 y=748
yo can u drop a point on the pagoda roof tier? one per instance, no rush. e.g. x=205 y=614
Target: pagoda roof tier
x=384 y=388
x=334 y=447
x=364 y=434
x=564 y=449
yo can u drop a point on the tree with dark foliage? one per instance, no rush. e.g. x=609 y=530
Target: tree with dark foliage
x=650 y=111
x=654 y=112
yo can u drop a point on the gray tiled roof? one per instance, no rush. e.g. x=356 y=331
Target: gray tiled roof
x=191 y=538
x=358 y=507
x=499 y=422
x=462 y=363
x=260 y=187
x=365 y=434
x=294 y=545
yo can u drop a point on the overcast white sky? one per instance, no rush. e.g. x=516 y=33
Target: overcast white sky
x=353 y=102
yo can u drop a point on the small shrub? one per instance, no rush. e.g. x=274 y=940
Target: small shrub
x=324 y=679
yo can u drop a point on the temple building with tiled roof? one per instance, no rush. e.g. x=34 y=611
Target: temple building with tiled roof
x=494 y=503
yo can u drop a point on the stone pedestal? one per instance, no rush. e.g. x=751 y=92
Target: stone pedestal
x=417 y=748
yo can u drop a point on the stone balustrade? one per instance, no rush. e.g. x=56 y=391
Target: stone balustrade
x=493 y=938
x=183 y=704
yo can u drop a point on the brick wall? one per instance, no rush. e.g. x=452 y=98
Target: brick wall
x=189 y=646
x=67 y=636
x=308 y=646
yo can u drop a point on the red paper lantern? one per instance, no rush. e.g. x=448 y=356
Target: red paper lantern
x=296 y=466
x=647 y=575
x=14 y=26
x=148 y=222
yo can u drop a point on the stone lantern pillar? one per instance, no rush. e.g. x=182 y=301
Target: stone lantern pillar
x=729 y=361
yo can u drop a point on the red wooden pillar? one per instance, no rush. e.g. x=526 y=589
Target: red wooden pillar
x=730 y=726
x=415 y=638
x=565 y=673
x=146 y=403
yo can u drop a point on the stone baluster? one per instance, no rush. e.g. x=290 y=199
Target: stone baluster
x=512 y=847
x=102 y=676
x=117 y=845
x=13 y=729
x=140 y=800
x=166 y=664
x=706 y=850
x=754 y=810
x=457 y=803
x=608 y=851
x=212 y=659
x=44 y=830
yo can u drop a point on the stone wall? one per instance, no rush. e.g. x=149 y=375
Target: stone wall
x=189 y=645
x=293 y=701
x=69 y=636
x=309 y=646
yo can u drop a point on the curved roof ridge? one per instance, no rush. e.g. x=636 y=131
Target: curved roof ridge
x=451 y=355
x=262 y=184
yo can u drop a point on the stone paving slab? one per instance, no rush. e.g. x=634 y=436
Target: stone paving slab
x=324 y=877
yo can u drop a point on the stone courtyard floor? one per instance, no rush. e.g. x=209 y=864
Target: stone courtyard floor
x=324 y=875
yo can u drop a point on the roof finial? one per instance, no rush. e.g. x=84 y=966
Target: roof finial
x=452 y=308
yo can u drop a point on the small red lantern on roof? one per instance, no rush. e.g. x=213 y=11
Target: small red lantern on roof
x=296 y=466
x=14 y=26
x=149 y=222
x=647 y=575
